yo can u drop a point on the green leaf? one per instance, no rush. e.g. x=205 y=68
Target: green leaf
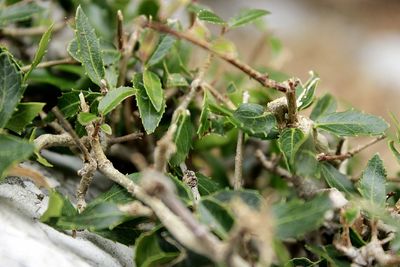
x=336 y=179
x=351 y=123
x=154 y=91
x=330 y=254
x=373 y=181
x=395 y=152
x=325 y=105
x=163 y=48
x=150 y=116
x=104 y=215
x=176 y=80
x=11 y=88
x=18 y=12
x=113 y=98
x=251 y=197
x=290 y=141
x=24 y=115
x=85 y=118
x=246 y=17
x=106 y=128
x=216 y=217
x=254 y=120
x=306 y=96
x=116 y=194
x=88 y=47
x=12 y=150
x=41 y=51
x=210 y=17
x=149 y=253
x=73 y=49
x=296 y=218
x=182 y=139
x=69 y=103
x=58 y=206
x=45 y=76
x=206 y=185
x=305 y=160
x=224 y=46
x=204 y=124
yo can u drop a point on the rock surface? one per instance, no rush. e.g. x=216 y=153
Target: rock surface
x=25 y=241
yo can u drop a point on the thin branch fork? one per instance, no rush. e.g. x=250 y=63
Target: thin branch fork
x=351 y=153
x=261 y=78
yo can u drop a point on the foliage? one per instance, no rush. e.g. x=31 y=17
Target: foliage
x=304 y=202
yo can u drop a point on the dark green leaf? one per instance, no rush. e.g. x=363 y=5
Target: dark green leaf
x=204 y=124
x=11 y=88
x=69 y=103
x=303 y=262
x=182 y=139
x=336 y=179
x=325 y=105
x=247 y=16
x=154 y=91
x=295 y=218
x=18 y=12
x=149 y=115
x=88 y=47
x=373 y=181
x=149 y=253
x=330 y=254
x=116 y=194
x=113 y=98
x=41 y=51
x=73 y=49
x=351 y=123
x=306 y=97
x=206 y=185
x=12 y=150
x=290 y=141
x=305 y=160
x=254 y=120
x=24 y=115
x=85 y=118
x=251 y=197
x=216 y=217
x=163 y=48
x=182 y=190
x=45 y=76
x=58 y=206
x=210 y=17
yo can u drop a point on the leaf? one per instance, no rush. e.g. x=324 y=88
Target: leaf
x=12 y=150
x=306 y=96
x=116 y=194
x=58 y=206
x=351 y=123
x=210 y=17
x=290 y=141
x=305 y=160
x=182 y=139
x=149 y=115
x=113 y=98
x=395 y=152
x=373 y=181
x=45 y=76
x=325 y=105
x=69 y=103
x=182 y=190
x=106 y=128
x=24 y=115
x=216 y=217
x=206 y=185
x=204 y=124
x=296 y=218
x=88 y=47
x=246 y=17
x=104 y=215
x=251 y=197
x=336 y=179
x=41 y=51
x=163 y=48
x=11 y=88
x=73 y=49
x=18 y=12
x=149 y=253
x=254 y=120
x=224 y=46
x=154 y=91
x=176 y=80
x=330 y=254
x=85 y=118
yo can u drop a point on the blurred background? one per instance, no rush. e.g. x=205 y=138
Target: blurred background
x=354 y=45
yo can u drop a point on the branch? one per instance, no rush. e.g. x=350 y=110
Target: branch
x=51 y=63
x=261 y=78
x=291 y=103
x=39 y=30
x=351 y=153
x=125 y=138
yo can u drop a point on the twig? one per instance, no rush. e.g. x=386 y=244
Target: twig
x=125 y=138
x=351 y=153
x=221 y=98
x=39 y=30
x=291 y=103
x=120 y=31
x=237 y=178
x=261 y=78
x=51 y=63
x=135 y=208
